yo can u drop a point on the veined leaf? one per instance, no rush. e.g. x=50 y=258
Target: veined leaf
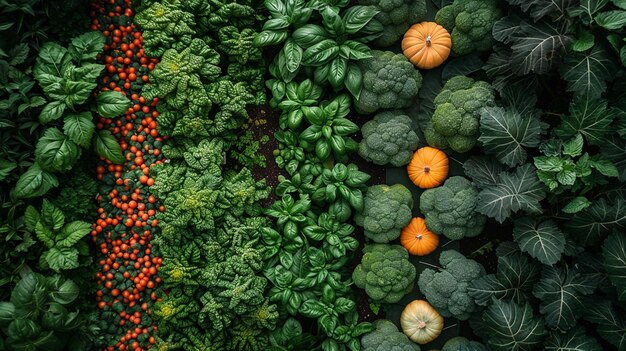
x=577 y=204
x=72 y=233
x=575 y=340
x=51 y=216
x=79 y=128
x=614 y=149
x=505 y=133
x=597 y=221
x=513 y=281
x=112 y=103
x=518 y=190
x=614 y=252
x=537 y=46
x=106 y=146
x=53 y=59
x=85 y=47
x=56 y=152
x=611 y=324
x=35 y=182
x=611 y=20
x=61 y=258
x=513 y=327
x=588 y=116
x=483 y=170
x=561 y=292
x=356 y=17
x=587 y=73
x=587 y=9
x=541 y=240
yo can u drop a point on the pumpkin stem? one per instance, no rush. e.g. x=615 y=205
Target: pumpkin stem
x=418 y=236
x=421 y=325
x=428 y=41
x=426 y=169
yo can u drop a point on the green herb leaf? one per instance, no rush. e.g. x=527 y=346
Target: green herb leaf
x=79 y=128
x=112 y=104
x=577 y=204
x=35 y=182
x=107 y=147
x=55 y=151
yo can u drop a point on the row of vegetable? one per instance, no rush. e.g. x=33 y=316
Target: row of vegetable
x=501 y=122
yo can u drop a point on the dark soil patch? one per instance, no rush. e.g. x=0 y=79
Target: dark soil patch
x=269 y=127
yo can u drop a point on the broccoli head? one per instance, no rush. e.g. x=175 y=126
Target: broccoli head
x=470 y=23
x=386 y=337
x=456 y=120
x=386 y=210
x=450 y=209
x=446 y=289
x=389 y=81
x=388 y=138
x=396 y=16
x=460 y=343
x=385 y=272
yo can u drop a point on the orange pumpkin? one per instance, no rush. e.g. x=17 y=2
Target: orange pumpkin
x=428 y=167
x=417 y=239
x=426 y=45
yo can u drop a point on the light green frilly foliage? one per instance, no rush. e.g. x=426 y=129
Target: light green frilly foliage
x=450 y=209
x=385 y=272
x=388 y=138
x=386 y=337
x=446 y=289
x=387 y=210
x=470 y=23
x=456 y=120
x=389 y=81
x=396 y=16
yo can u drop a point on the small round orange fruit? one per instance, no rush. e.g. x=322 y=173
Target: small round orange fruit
x=426 y=45
x=428 y=167
x=417 y=239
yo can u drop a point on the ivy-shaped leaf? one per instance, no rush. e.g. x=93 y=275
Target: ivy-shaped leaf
x=542 y=240
x=515 y=191
x=614 y=252
x=587 y=73
x=597 y=221
x=504 y=133
x=561 y=291
x=611 y=323
x=513 y=327
x=588 y=116
x=514 y=280
x=575 y=340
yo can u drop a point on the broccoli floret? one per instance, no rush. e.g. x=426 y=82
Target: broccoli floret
x=387 y=209
x=450 y=209
x=456 y=120
x=388 y=138
x=460 y=343
x=446 y=289
x=396 y=16
x=385 y=272
x=389 y=81
x=470 y=23
x=386 y=337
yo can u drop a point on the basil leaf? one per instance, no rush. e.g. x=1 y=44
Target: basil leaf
x=356 y=17
x=52 y=111
x=338 y=72
x=79 y=128
x=56 y=152
x=309 y=35
x=293 y=55
x=112 y=104
x=35 y=182
x=107 y=147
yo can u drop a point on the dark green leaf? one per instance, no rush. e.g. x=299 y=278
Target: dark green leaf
x=597 y=221
x=587 y=73
x=79 y=128
x=577 y=204
x=338 y=72
x=611 y=324
x=587 y=9
x=51 y=215
x=561 y=292
x=518 y=190
x=611 y=20
x=52 y=111
x=293 y=55
x=513 y=327
x=484 y=171
x=55 y=151
x=462 y=66
x=321 y=53
x=106 y=146
x=541 y=240
x=354 y=80
x=537 y=46
x=35 y=182
x=505 y=133
x=53 y=59
x=614 y=149
x=309 y=35
x=5 y=168
x=614 y=252
x=356 y=17
x=584 y=41
x=85 y=47
x=72 y=233
x=575 y=340
x=588 y=116
x=61 y=258
x=112 y=103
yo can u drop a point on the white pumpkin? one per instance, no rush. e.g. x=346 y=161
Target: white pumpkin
x=421 y=322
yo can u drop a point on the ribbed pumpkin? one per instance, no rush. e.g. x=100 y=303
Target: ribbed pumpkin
x=421 y=322
x=428 y=167
x=426 y=45
x=417 y=239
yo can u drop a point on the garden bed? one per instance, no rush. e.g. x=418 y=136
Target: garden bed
x=288 y=175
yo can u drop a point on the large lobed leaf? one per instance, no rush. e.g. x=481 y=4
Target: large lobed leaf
x=542 y=240
x=513 y=327
x=515 y=191
x=611 y=323
x=562 y=291
x=588 y=116
x=597 y=221
x=505 y=132
x=574 y=340
x=614 y=252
